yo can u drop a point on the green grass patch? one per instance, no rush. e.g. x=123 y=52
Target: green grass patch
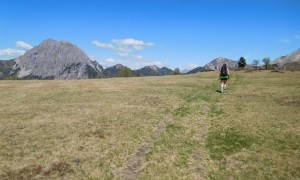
x=229 y=141
x=216 y=110
x=199 y=94
x=181 y=111
x=173 y=128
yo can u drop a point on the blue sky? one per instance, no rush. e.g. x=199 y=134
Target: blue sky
x=177 y=33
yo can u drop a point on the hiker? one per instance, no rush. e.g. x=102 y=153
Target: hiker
x=224 y=76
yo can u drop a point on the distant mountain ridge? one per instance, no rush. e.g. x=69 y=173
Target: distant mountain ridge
x=154 y=71
x=53 y=59
x=62 y=60
x=145 y=71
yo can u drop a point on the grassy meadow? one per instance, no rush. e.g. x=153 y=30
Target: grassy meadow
x=171 y=127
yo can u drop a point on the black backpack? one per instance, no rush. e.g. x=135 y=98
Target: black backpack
x=224 y=71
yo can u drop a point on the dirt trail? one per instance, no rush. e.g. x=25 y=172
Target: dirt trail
x=137 y=162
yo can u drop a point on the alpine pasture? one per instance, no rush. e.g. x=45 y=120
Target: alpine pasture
x=171 y=127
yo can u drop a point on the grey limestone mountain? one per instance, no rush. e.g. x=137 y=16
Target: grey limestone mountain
x=56 y=60
x=217 y=63
x=291 y=58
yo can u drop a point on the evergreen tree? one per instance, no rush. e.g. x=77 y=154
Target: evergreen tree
x=242 y=62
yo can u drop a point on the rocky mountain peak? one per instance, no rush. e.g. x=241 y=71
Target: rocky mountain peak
x=154 y=67
x=119 y=66
x=217 y=63
x=56 y=60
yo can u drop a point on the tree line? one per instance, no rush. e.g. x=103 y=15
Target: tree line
x=256 y=63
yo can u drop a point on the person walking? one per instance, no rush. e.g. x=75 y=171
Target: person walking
x=224 y=76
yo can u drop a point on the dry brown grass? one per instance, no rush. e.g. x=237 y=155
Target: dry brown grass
x=94 y=126
x=150 y=127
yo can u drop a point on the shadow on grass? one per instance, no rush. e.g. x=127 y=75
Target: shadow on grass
x=219 y=91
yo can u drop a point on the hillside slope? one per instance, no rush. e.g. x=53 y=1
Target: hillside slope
x=290 y=58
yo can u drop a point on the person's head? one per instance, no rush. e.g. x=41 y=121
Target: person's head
x=224 y=65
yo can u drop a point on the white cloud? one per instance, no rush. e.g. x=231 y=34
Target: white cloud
x=139 y=57
x=138 y=47
x=110 y=60
x=157 y=63
x=123 y=54
x=131 y=42
x=124 y=47
x=285 y=40
x=297 y=36
x=125 y=50
x=23 y=45
x=103 y=45
x=12 y=52
x=16 y=52
x=192 y=66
